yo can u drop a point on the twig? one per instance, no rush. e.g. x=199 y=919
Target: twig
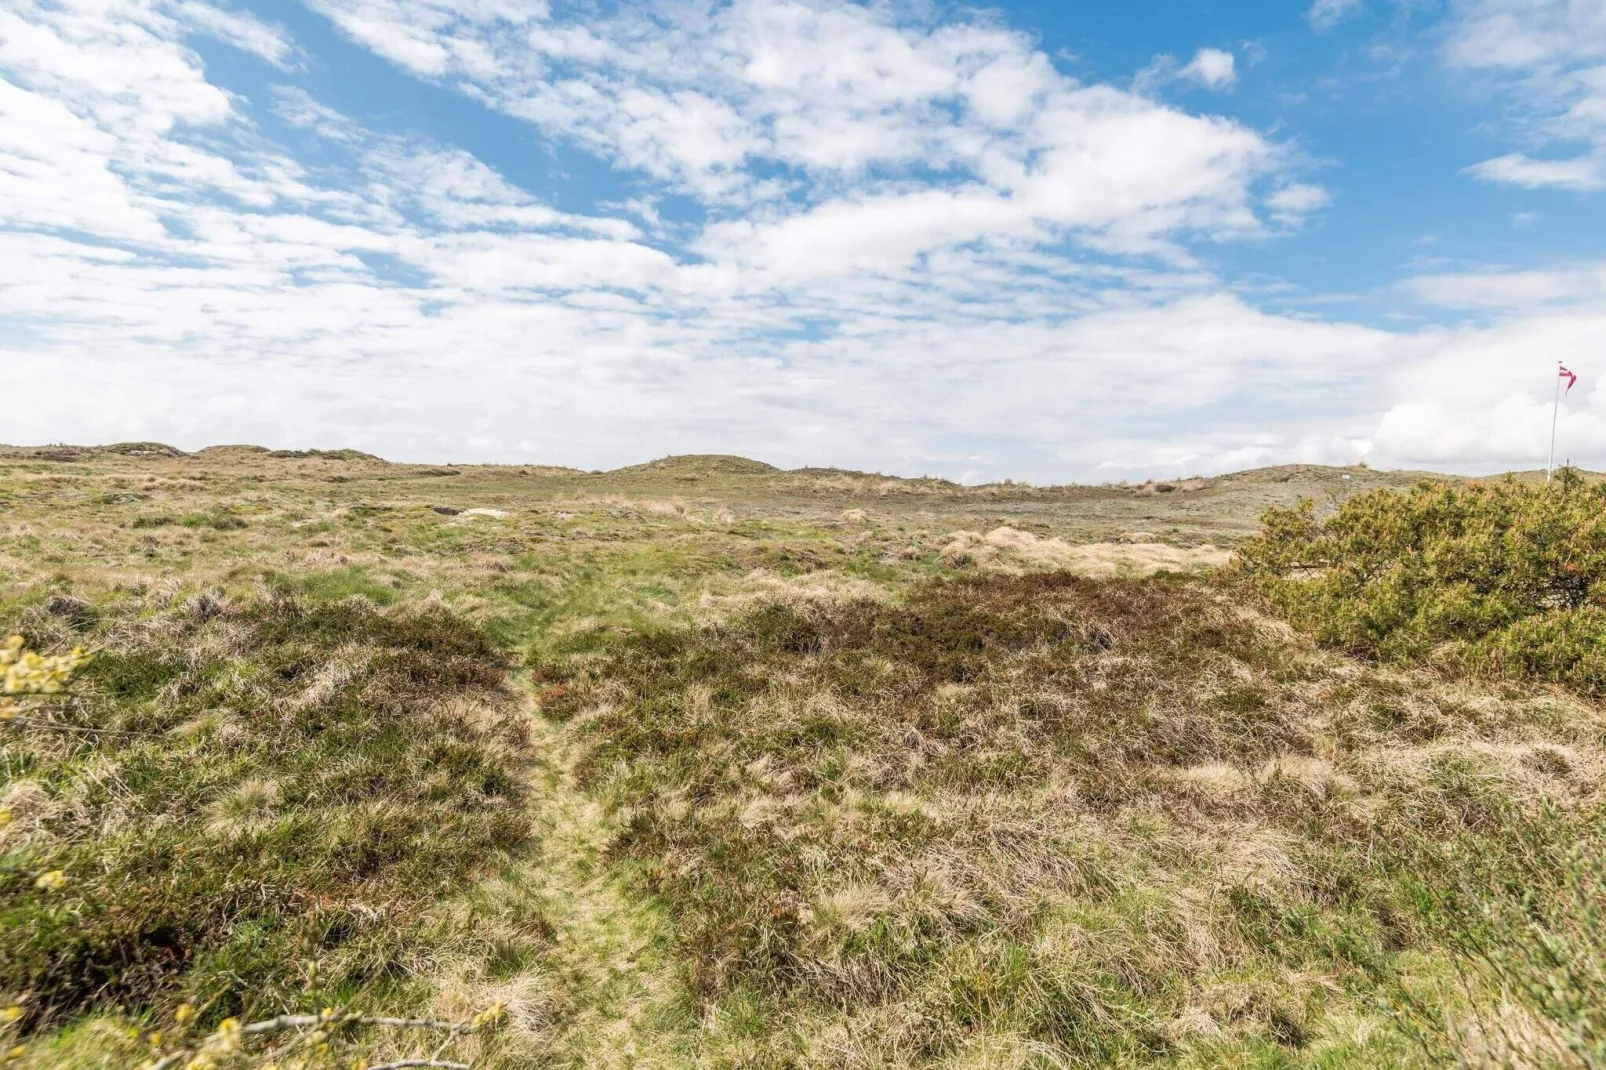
x=32 y=722
x=446 y=1042
x=302 y=1021
x=282 y=1022
x=417 y=1023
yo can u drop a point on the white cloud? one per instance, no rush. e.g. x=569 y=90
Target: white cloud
x=240 y=30
x=1551 y=56
x=925 y=249
x=1325 y=14
x=1293 y=202
x=1519 y=290
x=1584 y=174
x=1480 y=397
x=1483 y=397
x=1211 y=68
x=815 y=95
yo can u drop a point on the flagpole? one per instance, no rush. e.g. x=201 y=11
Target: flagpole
x=1550 y=465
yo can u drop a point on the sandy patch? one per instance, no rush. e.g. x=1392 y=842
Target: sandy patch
x=1008 y=549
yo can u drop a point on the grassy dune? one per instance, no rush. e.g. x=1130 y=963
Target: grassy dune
x=701 y=763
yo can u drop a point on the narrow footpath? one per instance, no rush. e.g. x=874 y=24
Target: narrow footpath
x=611 y=967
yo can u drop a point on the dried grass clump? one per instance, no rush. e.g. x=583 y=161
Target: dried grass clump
x=1009 y=550
x=763 y=587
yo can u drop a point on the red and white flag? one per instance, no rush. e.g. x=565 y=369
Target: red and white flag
x=1569 y=376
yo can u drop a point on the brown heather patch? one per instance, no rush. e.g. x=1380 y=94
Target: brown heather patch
x=1040 y=814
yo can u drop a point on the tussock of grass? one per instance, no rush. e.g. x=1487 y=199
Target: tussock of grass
x=1010 y=550
x=262 y=797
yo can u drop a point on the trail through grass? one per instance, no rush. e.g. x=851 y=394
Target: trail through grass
x=612 y=946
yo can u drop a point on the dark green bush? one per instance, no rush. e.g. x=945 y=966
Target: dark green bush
x=1501 y=579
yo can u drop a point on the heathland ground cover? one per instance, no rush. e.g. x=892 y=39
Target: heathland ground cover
x=701 y=763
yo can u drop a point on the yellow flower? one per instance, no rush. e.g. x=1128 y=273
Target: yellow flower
x=493 y=1013
x=28 y=673
x=11 y=1013
x=5 y=816
x=54 y=881
x=185 y=1014
x=155 y=1039
x=227 y=1038
x=16 y=1053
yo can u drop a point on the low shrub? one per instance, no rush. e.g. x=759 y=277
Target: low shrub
x=1502 y=579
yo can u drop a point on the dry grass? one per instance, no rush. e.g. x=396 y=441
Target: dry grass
x=1111 y=821
x=1008 y=550
x=791 y=769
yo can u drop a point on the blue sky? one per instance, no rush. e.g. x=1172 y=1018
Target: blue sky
x=1048 y=241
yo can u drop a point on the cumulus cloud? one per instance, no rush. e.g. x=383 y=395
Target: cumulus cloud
x=1482 y=397
x=918 y=246
x=1211 y=68
x=774 y=103
x=1292 y=203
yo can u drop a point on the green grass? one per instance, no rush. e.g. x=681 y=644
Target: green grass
x=689 y=767
x=911 y=827
x=260 y=800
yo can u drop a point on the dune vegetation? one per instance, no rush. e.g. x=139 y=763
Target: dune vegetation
x=705 y=764
x=1500 y=578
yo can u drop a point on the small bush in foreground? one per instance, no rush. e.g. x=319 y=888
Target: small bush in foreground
x=1500 y=579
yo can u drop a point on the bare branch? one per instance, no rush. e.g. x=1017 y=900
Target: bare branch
x=32 y=722
x=418 y=1023
x=306 y=1021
